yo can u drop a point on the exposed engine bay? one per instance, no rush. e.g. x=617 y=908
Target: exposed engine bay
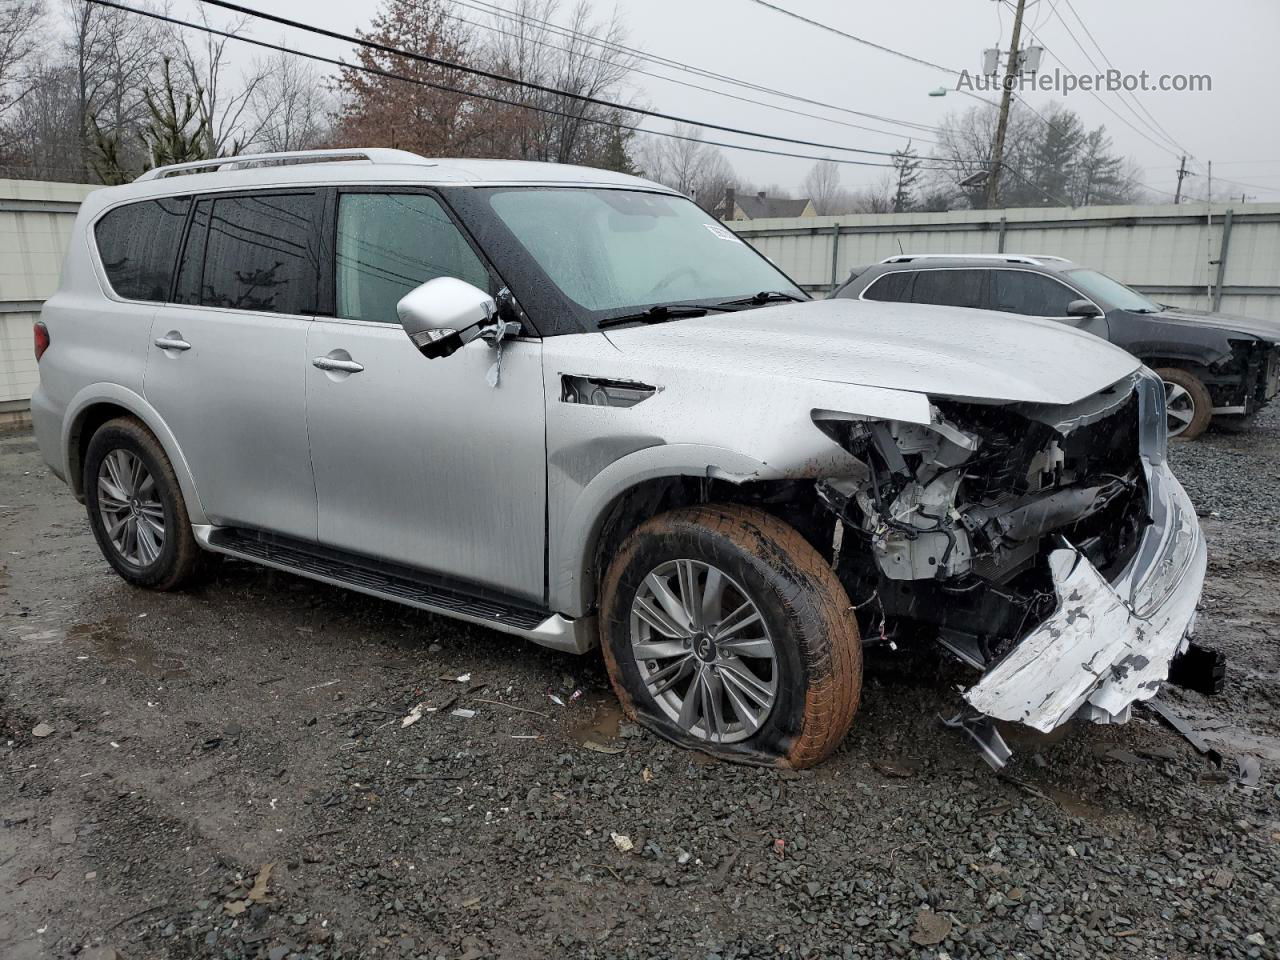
x=958 y=515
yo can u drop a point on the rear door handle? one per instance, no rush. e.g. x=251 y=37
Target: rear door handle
x=329 y=363
x=172 y=341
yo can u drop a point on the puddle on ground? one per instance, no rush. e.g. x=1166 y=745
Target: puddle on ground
x=606 y=716
x=109 y=641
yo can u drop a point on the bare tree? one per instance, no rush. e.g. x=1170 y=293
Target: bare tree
x=42 y=135
x=223 y=97
x=585 y=58
x=20 y=22
x=290 y=106
x=874 y=198
x=822 y=186
x=114 y=56
x=687 y=164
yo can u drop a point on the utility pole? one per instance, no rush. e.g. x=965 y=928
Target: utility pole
x=1010 y=75
x=1182 y=172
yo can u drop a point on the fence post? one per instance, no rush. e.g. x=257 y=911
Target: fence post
x=835 y=255
x=1222 y=260
x=1000 y=239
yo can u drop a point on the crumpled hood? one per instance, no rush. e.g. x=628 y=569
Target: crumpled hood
x=944 y=351
x=1268 y=330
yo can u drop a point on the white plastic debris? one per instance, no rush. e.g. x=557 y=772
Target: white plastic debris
x=622 y=842
x=464 y=713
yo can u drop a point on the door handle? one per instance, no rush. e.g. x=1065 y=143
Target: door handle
x=172 y=341
x=329 y=363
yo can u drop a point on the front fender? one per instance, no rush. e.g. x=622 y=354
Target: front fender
x=116 y=395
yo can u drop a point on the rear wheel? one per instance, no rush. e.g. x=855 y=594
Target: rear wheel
x=1188 y=406
x=724 y=630
x=136 y=509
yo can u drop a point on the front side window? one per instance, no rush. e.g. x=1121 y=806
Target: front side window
x=1112 y=292
x=615 y=251
x=389 y=243
x=1030 y=294
x=137 y=244
x=949 y=288
x=254 y=252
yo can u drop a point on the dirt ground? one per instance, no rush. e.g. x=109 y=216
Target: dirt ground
x=226 y=773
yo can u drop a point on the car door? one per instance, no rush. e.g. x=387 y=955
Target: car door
x=226 y=360
x=1036 y=295
x=422 y=462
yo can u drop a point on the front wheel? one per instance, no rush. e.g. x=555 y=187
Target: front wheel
x=724 y=630
x=1187 y=402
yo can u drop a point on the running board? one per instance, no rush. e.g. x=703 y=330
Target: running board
x=401 y=585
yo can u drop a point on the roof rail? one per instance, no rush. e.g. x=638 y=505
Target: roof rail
x=1035 y=259
x=286 y=158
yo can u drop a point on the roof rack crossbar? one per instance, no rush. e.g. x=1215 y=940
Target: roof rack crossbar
x=288 y=157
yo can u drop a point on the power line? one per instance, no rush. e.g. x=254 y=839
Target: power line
x=491 y=98
x=531 y=85
x=1095 y=96
x=1151 y=123
x=685 y=83
x=855 y=38
x=481 y=6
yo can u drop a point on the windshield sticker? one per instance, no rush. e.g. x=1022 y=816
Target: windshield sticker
x=721 y=232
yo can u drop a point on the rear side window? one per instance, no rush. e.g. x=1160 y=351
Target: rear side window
x=389 y=243
x=1032 y=294
x=137 y=244
x=892 y=286
x=256 y=252
x=949 y=288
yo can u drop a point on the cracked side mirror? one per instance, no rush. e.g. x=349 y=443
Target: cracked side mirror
x=443 y=314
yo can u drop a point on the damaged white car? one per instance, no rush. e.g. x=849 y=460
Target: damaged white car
x=613 y=422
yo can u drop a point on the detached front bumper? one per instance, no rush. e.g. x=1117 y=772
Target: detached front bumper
x=1107 y=644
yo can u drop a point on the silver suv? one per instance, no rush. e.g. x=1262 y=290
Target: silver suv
x=569 y=405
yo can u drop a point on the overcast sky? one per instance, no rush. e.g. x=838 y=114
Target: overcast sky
x=1234 y=125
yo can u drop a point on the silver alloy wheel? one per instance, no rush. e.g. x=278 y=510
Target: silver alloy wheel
x=130 y=508
x=703 y=651
x=1180 y=407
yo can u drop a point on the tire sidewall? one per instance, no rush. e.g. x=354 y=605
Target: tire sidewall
x=113 y=437
x=1200 y=399
x=764 y=584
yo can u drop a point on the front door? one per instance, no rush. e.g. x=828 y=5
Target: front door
x=419 y=461
x=225 y=367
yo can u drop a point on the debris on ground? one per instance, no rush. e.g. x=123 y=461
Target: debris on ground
x=1189 y=733
x=622 y=842
x=463 y=713
x=42 y=730
x=931 y=928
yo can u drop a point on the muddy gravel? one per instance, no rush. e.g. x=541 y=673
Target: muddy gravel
x=228 y=773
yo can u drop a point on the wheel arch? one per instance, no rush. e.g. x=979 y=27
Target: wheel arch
x=95 y=405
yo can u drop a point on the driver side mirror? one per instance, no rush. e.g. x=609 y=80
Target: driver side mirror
x=1083 y=308
x=444 y=314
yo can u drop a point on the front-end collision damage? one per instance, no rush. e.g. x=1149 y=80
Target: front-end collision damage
x=1049 y=546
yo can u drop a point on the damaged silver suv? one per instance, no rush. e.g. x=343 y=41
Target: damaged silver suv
x=612 y=421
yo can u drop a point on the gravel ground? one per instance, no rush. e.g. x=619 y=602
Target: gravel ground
x=226 y=773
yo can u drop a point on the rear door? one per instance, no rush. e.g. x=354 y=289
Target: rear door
x=421 y=462
x=226 y=363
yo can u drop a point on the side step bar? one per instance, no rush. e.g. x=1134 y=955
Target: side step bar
x=402 y=585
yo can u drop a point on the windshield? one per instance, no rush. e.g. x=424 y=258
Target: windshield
x=1101 y=287
x=614 y=251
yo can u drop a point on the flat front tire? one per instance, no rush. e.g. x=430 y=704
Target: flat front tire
x=725 y=631
x=1188 y=405
x=136 y=509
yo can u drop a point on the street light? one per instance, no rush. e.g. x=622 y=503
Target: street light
x=938 y=92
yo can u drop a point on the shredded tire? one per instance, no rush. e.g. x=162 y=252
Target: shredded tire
x=819 y=650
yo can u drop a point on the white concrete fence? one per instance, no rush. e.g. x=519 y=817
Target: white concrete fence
x=1227 y=258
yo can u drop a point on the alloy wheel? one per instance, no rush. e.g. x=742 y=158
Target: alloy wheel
x=130 y=507
x=1180 y=407
x=703 y=651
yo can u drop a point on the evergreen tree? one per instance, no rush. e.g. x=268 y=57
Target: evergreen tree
x=906 y=165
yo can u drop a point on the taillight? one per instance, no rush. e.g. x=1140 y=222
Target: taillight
x=42 y=338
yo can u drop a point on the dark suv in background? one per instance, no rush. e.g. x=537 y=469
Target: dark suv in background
x=1214 y=366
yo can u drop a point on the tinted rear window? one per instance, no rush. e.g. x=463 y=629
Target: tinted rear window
x=892 y=286
x=949 y=288
x=259 y=253
x=138 y=244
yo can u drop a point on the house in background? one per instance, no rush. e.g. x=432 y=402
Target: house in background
x=759 y=206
